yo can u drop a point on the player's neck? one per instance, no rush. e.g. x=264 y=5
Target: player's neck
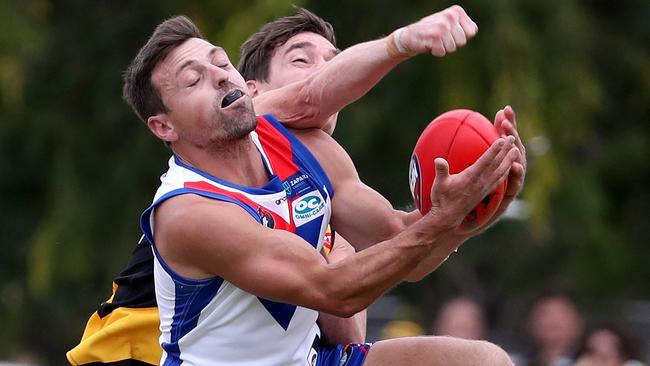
x=240 y=162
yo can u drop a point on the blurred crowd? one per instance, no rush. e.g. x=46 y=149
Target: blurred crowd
x=555 y=333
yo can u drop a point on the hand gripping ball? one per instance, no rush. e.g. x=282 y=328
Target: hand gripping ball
x=459 y=136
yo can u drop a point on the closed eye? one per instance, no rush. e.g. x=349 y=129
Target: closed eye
x=195 y=82
x=300 y=60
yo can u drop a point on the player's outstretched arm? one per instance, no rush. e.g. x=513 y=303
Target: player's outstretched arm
x=348 y=76
x=365 y=217
x=201 y=238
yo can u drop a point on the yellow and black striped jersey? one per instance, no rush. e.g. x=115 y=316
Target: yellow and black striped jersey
x=124 y=330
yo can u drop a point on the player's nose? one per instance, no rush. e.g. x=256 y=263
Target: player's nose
x=218 y=75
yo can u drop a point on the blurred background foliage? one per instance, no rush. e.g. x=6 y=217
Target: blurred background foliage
x=77 y=167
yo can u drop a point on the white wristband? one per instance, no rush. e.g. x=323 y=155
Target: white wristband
x=398 y=43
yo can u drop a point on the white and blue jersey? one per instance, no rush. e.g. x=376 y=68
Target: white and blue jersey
x=211 y=321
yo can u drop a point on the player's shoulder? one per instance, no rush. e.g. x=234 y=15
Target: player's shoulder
x=328 y=152
x=189 y=204
x=188 y=225
x=185 y=211
x=312 y=138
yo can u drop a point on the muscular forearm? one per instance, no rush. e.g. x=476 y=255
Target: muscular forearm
x=347 y=77
x=381 y=229
x=434 y=260
x=447 y=244
x=376 y=225
x=373 y=271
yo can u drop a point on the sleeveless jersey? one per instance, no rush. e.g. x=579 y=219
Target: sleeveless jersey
x=211 y=321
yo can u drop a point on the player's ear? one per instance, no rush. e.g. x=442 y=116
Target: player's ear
x=161 y=126
x=252 y=88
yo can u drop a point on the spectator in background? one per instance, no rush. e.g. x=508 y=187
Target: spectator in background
x=608 y=346
x=555 y=325
x=461 y=317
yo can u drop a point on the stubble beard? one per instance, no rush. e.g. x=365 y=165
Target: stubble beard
x=237 y=124
x=232 y=129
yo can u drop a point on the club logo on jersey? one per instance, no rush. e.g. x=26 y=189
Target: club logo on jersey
x=414 y=180
x=308 y=207
x=266 y=218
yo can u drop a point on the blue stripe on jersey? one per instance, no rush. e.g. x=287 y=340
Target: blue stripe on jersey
x=269 y=187
x=305 y=158
x=310 y=231
x=281 y=312
x=190 y=301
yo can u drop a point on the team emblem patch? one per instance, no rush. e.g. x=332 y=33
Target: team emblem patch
x=266 y=218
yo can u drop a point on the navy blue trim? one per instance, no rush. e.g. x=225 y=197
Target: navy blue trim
x=190 y=300
x=310 y=231
x=251 y=190
x=304 y=157
x=173 y=354
x=267 y=164
x=351 y=354
x=145 y=225
x=281 y=312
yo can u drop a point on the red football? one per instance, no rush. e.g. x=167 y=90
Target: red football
x=459 y=136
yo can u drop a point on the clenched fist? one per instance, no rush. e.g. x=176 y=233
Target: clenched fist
x=438 y=34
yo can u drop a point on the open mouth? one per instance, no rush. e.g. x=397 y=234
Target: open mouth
x=231 y=97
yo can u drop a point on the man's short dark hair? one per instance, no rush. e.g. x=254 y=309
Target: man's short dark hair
x=257 y=51
x=139 y=91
